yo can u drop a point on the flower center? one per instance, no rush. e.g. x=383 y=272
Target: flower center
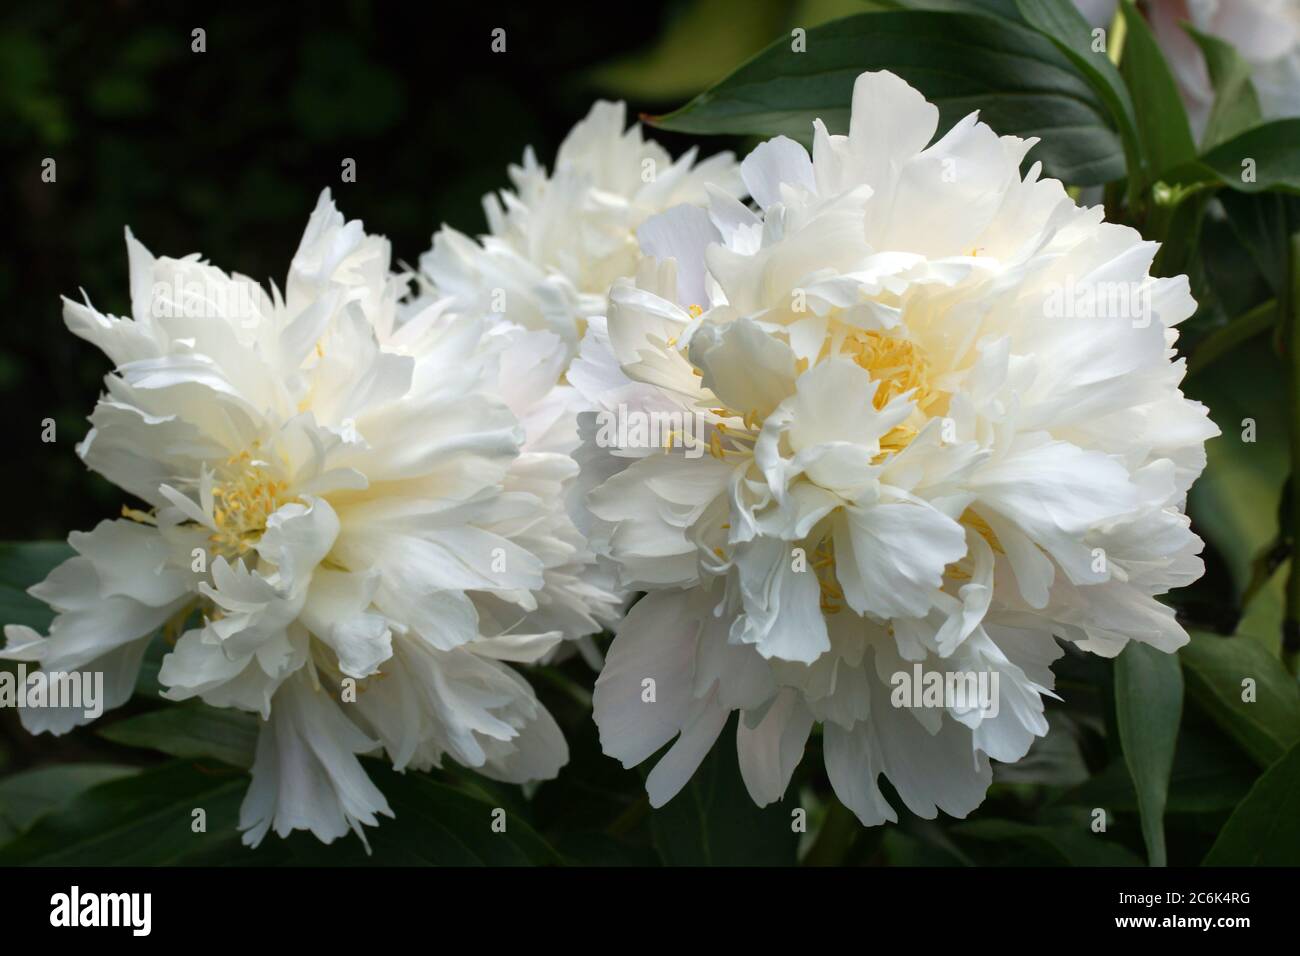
x=244 y=498
x=823 y=565
x=899 y=366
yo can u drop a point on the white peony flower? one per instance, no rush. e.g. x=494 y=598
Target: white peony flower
x=924 y=412
x=333 y=501
x=1265 y=32
x=578 y=596
x=557 y=242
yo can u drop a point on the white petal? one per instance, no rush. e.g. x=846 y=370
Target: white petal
x=654 y=651
x=890 y=557
x=770 y=750
x=306 y=775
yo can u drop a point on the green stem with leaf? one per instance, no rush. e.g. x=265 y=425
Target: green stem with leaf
x=1225 y=339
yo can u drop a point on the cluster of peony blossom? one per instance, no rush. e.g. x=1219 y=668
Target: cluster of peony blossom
x=365 y=498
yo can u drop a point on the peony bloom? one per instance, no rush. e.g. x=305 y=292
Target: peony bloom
x=557 y=243
x=1265 y=32
x=338 y=531
x=922 y=414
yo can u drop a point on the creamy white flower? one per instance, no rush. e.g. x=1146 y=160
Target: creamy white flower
x=557 y=242
x=333 y=500
x=578 y=596
x=927 y=442
x=1265 y=32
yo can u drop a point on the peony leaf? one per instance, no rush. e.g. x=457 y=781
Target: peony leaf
x=1162 y=125
x=22 y=564
x=1061 y=845
x=1148 y=708
x=1018 y=79
x=1210 y=775
x=1234 y=504
x=192 y=730
x=1236 y=105
x=1264 y=830
x=1262 y=158
x=1062 y=23
x=144 y=819
x=148 y=819
x=28 y=795
x=1264 y=725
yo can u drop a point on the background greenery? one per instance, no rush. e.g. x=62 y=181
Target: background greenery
x=225 y=151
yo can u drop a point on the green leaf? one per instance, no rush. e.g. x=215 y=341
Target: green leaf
x=1236 y=105
x=191 y=730
x=1063 y=844
x=1174 y=220
x=1264 y=830
x=1263 y=224
x=713 y=821
x=1235 y=501
x=1223 y=340
x=1148 y=708
x=1162 y=125
x=26 y=796
x=1017 y=78
x=1263 y=158
x=1215 y=668
x=1210 y=775
x=22 y=564
x=146 y=820
x=1053 y=760
x=1062 y=23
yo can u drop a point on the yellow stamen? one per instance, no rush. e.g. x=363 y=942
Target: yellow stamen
x=898 y=366
x=249 y=494
x=144 y=517
x=823 y=565
x=974 y=521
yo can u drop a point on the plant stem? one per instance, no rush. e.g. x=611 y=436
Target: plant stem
x=1224 y=340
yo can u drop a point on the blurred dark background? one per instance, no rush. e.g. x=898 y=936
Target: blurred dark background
x=224 y=152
